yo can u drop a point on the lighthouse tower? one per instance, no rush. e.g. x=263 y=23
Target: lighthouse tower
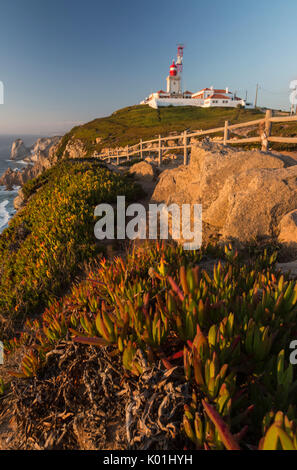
x=174 y=81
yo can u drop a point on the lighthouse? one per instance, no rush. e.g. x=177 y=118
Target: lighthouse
x=174 y=81
x=175 y=96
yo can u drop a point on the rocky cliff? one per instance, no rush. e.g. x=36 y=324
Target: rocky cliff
x=75 y=148
x=44 y=144
x=19 y=150
x=41 y=156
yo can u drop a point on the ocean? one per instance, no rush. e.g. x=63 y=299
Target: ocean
x=7 y=197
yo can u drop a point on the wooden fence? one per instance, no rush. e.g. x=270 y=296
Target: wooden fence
x=160 y=145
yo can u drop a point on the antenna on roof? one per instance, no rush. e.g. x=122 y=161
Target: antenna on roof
x=179 y=62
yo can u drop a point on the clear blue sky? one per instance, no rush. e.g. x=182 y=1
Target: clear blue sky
x=66 y=62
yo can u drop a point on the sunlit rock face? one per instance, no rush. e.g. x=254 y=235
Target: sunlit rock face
x=244 y=194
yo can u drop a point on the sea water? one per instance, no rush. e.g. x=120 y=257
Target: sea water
x=6 y=197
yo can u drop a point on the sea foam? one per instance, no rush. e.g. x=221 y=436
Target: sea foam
x=4 y=214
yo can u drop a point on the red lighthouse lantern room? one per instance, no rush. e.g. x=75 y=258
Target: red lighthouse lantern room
x=173 y=69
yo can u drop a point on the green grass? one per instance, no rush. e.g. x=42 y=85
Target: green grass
x=286 y=129
x=128 y=125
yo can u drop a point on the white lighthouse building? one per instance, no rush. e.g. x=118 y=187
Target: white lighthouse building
x=174 y=81
x=205 y=98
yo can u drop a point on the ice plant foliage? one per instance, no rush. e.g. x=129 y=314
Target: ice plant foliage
x=52 y=235
x=227 y=329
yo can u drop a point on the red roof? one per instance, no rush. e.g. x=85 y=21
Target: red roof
x=161 y=91
x=188 y=93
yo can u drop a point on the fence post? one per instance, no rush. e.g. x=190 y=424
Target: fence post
x=265 y=131
x=185 y=148
x=127 y=152
x=268 y=125
x=226 y=132
x=118 y=159
x=160 y=151
x=141 y=153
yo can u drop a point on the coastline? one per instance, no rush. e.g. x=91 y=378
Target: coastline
x=7 y=209
x=7 y=197
x=14 y=172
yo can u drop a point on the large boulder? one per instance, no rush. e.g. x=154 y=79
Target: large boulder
x=244 y=194
x=19 y=150
x=143 y=170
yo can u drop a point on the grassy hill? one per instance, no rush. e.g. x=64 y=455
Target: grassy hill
x=126 y=126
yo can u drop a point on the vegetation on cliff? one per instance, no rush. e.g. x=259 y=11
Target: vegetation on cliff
x=53 y=234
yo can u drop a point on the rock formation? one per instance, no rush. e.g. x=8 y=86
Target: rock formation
x=18 y=177
x=19 y=200
x=43 y=156
x=18 y=150
x=75 y=149
x=244 y=194
x=44 y=145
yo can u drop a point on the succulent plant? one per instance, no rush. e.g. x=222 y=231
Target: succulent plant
x=229 y=330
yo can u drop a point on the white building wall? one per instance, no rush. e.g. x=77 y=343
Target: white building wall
x=158 y=102
x=223 y=103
